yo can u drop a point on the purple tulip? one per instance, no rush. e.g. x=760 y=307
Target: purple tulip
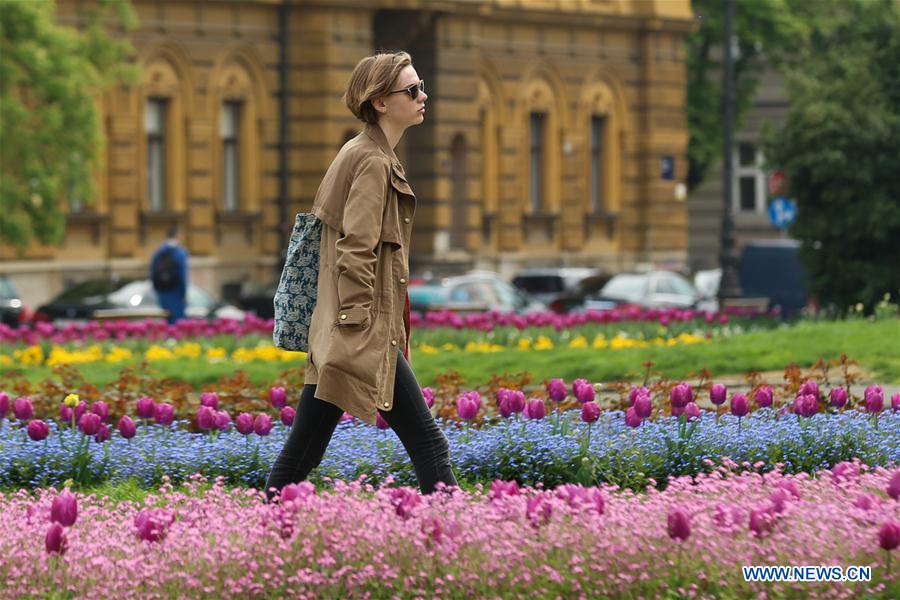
x=632 y=418
x=4 y=404
x=764 y=396
x=64 y=509
x=557 y=390
x=643 y=406
x=65 y=413
x=501 y=396
x=839 y=397
x=102 y=433
x=740 y=406
x=809 y=387
x=206 y=417
x=505 y=412
x=584 y=391
x=55 y=541
x=762 y=520
x=806 y=405
x=534 y=409
x=466 y=407
x=165 y=413
x=679 y=524
x=38 y=430
x=146 y=408
x=223 y=420
x=680 y=395
x=893 y=488
x=127 y=428
x=277 y=397
x=895 y=402
x=428 y=394
x=874 y=399
x=244 y=423
x=152 y=524
x=89 y=423
x=101 y=409
x=287 y=415
x=262 y=424
x=718 y=393
x=516 y=401
x=22 y=409
x=590 y=412
x=692 y=411
x=79 y=410
x=889 y=535
x=635 y=392
x=380 y=423
x=210 y=400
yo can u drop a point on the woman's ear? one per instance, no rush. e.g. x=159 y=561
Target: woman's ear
x=379 y=104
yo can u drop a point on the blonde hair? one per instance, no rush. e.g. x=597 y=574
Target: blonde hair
x=372 y=77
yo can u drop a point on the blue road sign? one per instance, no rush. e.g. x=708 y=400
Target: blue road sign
x=782 y=212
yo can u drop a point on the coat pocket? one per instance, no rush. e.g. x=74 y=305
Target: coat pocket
x=354 y=350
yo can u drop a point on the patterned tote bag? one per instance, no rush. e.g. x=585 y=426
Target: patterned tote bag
x=295 y=298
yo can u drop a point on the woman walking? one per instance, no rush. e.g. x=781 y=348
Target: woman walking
x=359 y=332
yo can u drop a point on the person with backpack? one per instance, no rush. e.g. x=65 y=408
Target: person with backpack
x=358 y=337
x=169 y=274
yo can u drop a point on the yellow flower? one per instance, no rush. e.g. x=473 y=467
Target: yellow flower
x=543 y=343
x=71 y=400
x=427 y=349
x=525 y=344
x=216 y=354
x=579 y=342
x=5 y=361
x=155 y=352
x=118 y=354
x=33 y=355
x=188 y=350
x=599 y=342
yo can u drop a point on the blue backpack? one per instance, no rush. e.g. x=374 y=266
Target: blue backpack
x=295 y=298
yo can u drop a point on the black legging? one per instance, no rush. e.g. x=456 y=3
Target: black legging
x=410 y=418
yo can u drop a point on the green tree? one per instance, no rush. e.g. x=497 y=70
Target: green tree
x=50 y=128
x=840 y=149
x=764 y=31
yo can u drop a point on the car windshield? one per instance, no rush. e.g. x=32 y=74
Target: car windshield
x=425 y=294
x=91 y=287
x=136 y=293
x=537 y=284
x=681 y=286
x=624 y=286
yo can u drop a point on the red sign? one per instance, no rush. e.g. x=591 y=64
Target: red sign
x=776 y=182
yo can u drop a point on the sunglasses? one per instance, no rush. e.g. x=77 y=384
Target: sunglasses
x=412 y=90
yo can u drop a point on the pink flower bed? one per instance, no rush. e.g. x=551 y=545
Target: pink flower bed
x=572 y=542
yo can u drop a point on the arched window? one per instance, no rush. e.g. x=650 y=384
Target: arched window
x=603 y=120
x=542 y=162
x=489 y=107
x=459 y=224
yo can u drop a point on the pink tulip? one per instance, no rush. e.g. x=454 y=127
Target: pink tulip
x=262 y=424
x=557 y=390
x=838 y=397
x=505 y=412
x=534 y=409
x=64 y=509
x=165 y=414
x=516 y=401
x=681 y=394
x=692 y=411
x=4 y=404
x=277 y=397
x=127 y=428
x=466 y=407
x=210 y=400
x=146 y=408
x=806 y=405
x=895 y=403
x=679 y=524
x=79 y=410
x=874 y=399
x=643 y=405
x=38 y=430
x=889 y=535
x=809 y=387
x=428 y=394
x=65 y=412
x=206 y=417
x=590 y=412
x=56 y=541
x=223 y=420
x=740 y=406
x=635 y=392
x=89 y=423
x=632 y=418
x=764 y=396
x=101 y=409
x=22 y=409
x=893 y=487
x=287 y=415
x=718 y=393
x=584 y=391
x=244 y=423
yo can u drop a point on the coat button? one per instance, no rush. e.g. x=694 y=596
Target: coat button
x=393 y=342
x=343 y=317
x=402 y=280
x=386 y=404
x=406 y=220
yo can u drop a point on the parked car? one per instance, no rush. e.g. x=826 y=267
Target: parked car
x=656 y=289
x=12 y=310
x=477 y=291
x=126 y=298
x=561 y=289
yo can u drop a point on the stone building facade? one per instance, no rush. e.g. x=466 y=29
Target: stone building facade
x=556 y=135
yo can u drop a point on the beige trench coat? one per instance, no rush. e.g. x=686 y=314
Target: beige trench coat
x=357 y=328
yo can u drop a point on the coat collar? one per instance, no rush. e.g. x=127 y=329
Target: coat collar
x=374 y=131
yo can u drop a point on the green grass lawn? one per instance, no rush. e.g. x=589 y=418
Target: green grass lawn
x=875 y=344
